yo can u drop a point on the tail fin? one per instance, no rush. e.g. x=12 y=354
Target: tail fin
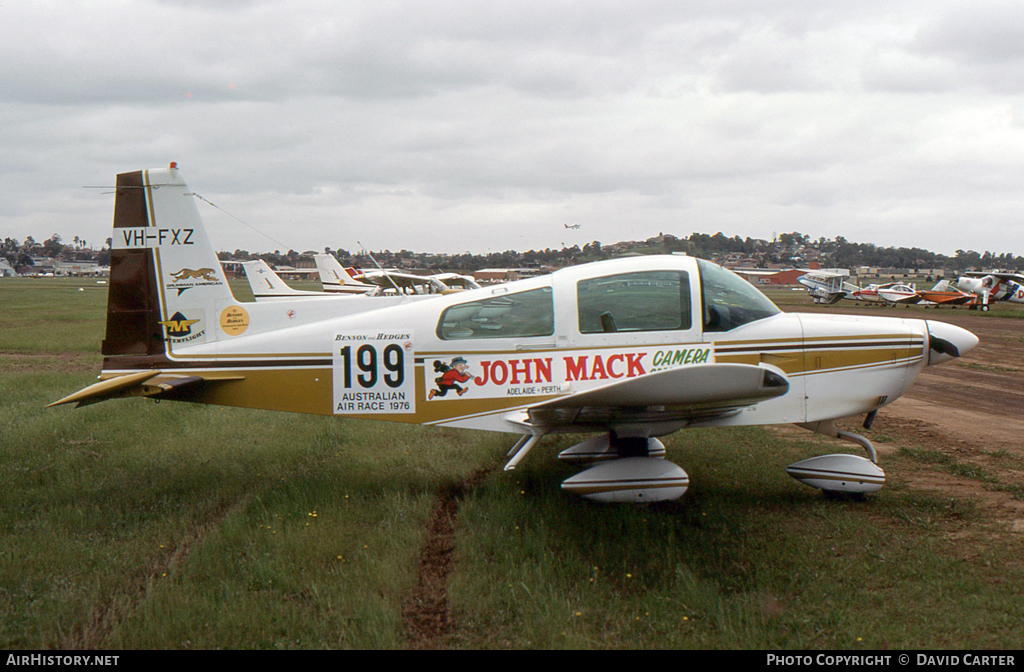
x=166 y=282
x=264 y=281
x=267 y=285
x=336 y=279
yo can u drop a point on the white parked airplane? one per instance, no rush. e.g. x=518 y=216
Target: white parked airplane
x=994 y=286
x=266 y=285
x=825 y=287
x=337 y=280
x=898 y=292
x=628 y=349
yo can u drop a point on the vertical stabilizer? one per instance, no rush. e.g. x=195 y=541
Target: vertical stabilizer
x=263 y=280
x=166 y=283
x=336 y=279
x=267 y=285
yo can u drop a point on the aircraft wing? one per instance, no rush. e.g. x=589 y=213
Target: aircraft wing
x=396 y=280
x=141 y=384
x=893 y=296
x=688 y=394
x=948 y=298
x=1013 y=277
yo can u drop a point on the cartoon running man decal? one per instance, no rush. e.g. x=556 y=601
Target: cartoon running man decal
x=453 y=374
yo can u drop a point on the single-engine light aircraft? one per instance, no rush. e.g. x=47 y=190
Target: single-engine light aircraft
x=337 y=280
x=945 y=294
x=827 y=287
x=898 y=292
x=994 y=286
x=629 y=350
x=266 y=285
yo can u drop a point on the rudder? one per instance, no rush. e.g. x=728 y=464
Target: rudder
x=166 y=282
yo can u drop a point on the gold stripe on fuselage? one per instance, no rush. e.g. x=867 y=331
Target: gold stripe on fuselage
x=309 y=388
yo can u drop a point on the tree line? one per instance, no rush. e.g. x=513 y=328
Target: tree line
x=794 y=247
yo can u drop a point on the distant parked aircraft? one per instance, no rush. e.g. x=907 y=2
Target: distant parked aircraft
x=337 y=280
x=827 y=287
x=995 y=286
x=899 y=293
x=267 y=285
x=945 y=294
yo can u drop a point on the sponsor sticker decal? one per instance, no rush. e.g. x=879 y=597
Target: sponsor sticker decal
x=524 y=375
x=187 y=278
x=179 y=328
x=234 y=320
x=374 y=372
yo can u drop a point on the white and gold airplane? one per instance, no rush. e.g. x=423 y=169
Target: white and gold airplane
x=629 y=350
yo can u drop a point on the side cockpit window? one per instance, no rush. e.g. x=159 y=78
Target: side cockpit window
x=519 y=315
x=729 y=300
x=646 y=301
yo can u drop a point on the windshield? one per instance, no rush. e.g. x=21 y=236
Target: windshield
x=729 y=300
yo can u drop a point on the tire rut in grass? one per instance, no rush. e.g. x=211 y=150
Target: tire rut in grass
x=95 y=630
x=427 y=614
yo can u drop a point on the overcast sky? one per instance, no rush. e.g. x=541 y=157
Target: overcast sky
x=483 y=125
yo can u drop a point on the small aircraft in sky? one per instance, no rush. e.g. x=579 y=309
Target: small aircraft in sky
x=571 y=226
x=628 y=350
x=994 y=286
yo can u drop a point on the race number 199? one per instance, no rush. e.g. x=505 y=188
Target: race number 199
x=373 y=373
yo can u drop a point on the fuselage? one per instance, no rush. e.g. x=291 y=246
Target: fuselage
x=533 y=340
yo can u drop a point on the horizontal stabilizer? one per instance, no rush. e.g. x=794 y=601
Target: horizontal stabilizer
x=140 y=384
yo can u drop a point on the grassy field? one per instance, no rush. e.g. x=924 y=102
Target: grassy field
x=132 y=524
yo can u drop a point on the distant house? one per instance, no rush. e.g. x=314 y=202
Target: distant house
x=77 y=268
x=6 y=270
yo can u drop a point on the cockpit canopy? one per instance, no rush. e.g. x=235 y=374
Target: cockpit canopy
x=635 y=301
x=729 y=300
